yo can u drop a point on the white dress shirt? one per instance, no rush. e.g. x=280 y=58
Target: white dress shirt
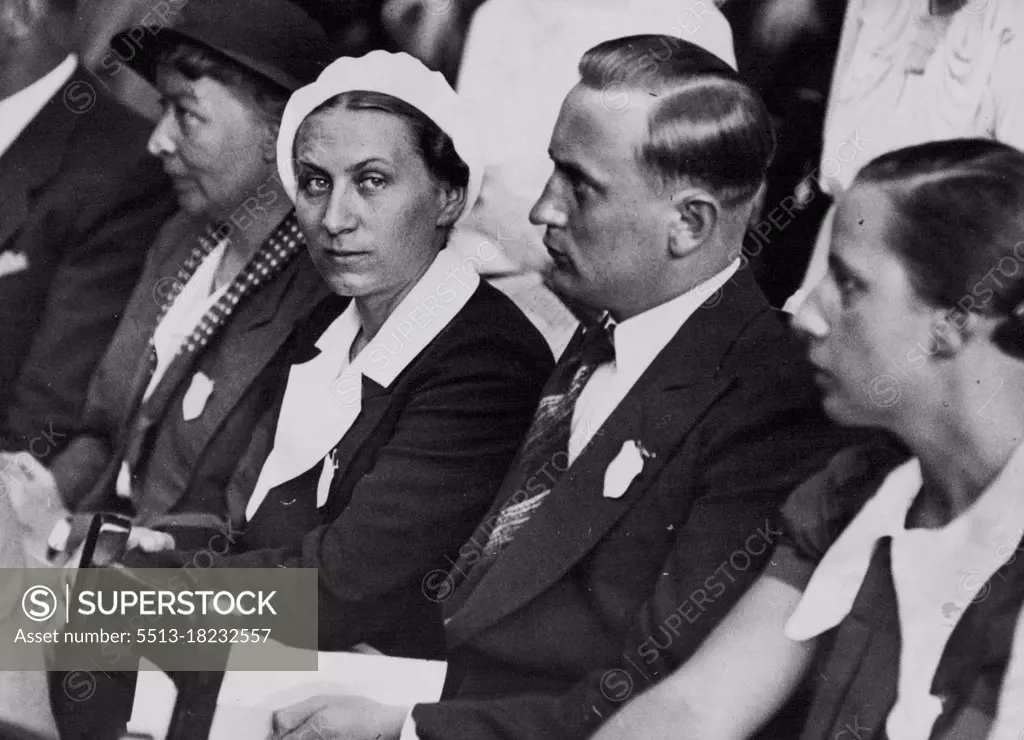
x=20 y=109
x=937 y=573
x=638 y=340
x=324 y=395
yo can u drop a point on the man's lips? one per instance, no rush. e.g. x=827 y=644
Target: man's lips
x=557 y=255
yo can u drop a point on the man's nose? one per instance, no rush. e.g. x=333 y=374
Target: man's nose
x=547 y=211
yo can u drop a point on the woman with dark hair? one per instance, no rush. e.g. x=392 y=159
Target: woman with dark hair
x=895 y=588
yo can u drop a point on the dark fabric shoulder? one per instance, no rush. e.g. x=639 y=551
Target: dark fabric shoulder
x=818 y=511
x=491 y=315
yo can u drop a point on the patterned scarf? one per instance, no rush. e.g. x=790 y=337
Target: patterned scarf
x=269 y=261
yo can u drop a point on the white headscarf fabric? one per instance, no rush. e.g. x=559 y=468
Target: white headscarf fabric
x=402 y=77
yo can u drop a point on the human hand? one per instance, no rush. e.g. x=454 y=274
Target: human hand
x=339 y=718
x=32 y=491
x=139 y=538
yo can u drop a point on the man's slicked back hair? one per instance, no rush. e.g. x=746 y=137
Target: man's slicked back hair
x=708 y=127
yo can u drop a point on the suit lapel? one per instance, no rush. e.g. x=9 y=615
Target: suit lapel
x=251 y=339
x=375 y=402
x=659 y=412
x=32 y=160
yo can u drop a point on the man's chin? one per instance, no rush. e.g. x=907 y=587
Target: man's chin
x=559 y=284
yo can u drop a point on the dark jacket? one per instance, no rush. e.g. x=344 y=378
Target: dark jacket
x=81 y=202
x=596 y=598
x=417 y=470
x=854 y=681
x=187 y=465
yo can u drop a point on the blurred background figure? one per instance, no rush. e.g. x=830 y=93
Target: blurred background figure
x=80 y=202
x=786 y=49
x=914 y=71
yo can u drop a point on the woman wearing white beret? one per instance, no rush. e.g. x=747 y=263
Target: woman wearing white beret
x=394 y=435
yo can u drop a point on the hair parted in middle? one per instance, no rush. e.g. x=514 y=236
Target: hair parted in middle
x=708 y=126
x=433 y=144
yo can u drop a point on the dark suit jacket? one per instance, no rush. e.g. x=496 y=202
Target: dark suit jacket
x=81 y=200
x=187 y=465
x=417 y=469
x=597 y=597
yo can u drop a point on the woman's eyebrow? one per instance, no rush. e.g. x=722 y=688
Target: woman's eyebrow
x=365 y=162
x=841 y=267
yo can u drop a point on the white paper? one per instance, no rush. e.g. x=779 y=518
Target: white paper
x=248 y=699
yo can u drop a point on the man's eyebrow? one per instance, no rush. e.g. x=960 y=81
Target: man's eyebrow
x=575 y=171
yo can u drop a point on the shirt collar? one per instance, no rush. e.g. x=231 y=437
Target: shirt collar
x=426 y=310
x=640 y=338
x=19 y=110
x=992 y=526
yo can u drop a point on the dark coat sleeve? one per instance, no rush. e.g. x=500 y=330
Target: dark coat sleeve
x=109 y=220
x=87 y=452
x=752 y=450
x=428 y=487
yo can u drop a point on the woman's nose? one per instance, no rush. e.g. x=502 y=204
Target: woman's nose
x=809 y=318
x=340 y=215
x=161 y=142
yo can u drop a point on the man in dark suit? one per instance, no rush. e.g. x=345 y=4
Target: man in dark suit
x=644 y=499
x=80 y=203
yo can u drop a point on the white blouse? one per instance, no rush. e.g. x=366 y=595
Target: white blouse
x=323 y=397
x=937 y=573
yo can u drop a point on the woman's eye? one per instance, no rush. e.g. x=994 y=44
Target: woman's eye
x=314 y=185
x=372 y=182
x=579 y=188
x=186 y=116
x=846 y=284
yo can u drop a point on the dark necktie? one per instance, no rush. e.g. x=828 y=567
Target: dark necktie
x=549 y=435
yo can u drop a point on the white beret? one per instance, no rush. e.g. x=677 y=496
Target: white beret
x=400 y=76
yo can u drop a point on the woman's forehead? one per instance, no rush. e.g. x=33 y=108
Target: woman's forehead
x=864 y=215
x=343 y=134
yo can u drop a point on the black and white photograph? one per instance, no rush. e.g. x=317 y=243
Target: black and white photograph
x=511 y=369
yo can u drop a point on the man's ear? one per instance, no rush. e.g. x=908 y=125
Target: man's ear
x=696 y=217
x=452 y=202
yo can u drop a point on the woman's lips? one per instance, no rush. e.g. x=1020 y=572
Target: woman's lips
x=343 y=256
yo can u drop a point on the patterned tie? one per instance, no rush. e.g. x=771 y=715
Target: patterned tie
x=549 y=433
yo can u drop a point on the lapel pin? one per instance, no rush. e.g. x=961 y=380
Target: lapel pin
x=198 y=393
x=624 y=469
